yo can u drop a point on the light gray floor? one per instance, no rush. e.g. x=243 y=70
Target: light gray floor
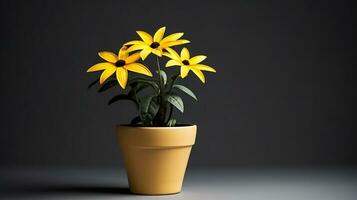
x=219 y=184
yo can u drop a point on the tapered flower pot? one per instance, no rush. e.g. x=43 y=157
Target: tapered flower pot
x=156 y=157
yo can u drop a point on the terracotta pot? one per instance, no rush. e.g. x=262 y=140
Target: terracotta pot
x=156 y=157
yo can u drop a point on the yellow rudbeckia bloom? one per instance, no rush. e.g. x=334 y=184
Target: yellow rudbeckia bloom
x=119 y=64
x=155 y=44
x=187 y=63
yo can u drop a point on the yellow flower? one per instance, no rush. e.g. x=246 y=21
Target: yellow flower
x=155 y=45
x=187 y=63
x=120 y=64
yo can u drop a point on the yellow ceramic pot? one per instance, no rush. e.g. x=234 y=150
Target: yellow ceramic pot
x=156 y=157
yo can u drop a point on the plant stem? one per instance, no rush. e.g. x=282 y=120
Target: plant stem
x=159 y=119
x=174 y=78
x=170 y=114
x=159 y=70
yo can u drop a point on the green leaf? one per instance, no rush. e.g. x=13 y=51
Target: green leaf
x=93 y=83
x=136 y=88
x=146 y=118
x=139 y=79
x=171 y=82
x=141 y=87
x=149 y=82
x=185 y=90
x=107 y=85
x=154 y=107
x=120 y=97
x=135 y=120
x=145 y=103
x=175 y=101
x=163 y=76
x=175 y=76
x=171 y=122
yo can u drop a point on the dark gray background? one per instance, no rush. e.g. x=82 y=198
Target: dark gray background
x=284 y=93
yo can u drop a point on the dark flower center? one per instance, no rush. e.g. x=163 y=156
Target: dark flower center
x=154 y=45
x=120 y=63
x=185 y=62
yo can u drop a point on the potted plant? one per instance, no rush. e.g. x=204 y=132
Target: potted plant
x=155 y=148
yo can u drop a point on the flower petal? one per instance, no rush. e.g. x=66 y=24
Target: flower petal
x=99 y=66
x=123 y=53
x=146 y=37
x=156 y=52
x=159 y=34
x=185 y=54
x=167 y=54
x=108 y=56
x=172 y=54
x=144 y=53
x=132 y=58
x=122 y=76
x=134 y=42
x=138 y=68
x=106 y=74
x=174 y=43
x=171 y=63
x=184 y=71
x=197 y=59
x=137 y=47
x=199 y=74
x=172 y=37
x=204 y=68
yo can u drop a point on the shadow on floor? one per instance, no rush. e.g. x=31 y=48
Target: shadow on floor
x=65 y=190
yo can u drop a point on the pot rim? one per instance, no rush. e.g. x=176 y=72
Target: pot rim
x=183 y=126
